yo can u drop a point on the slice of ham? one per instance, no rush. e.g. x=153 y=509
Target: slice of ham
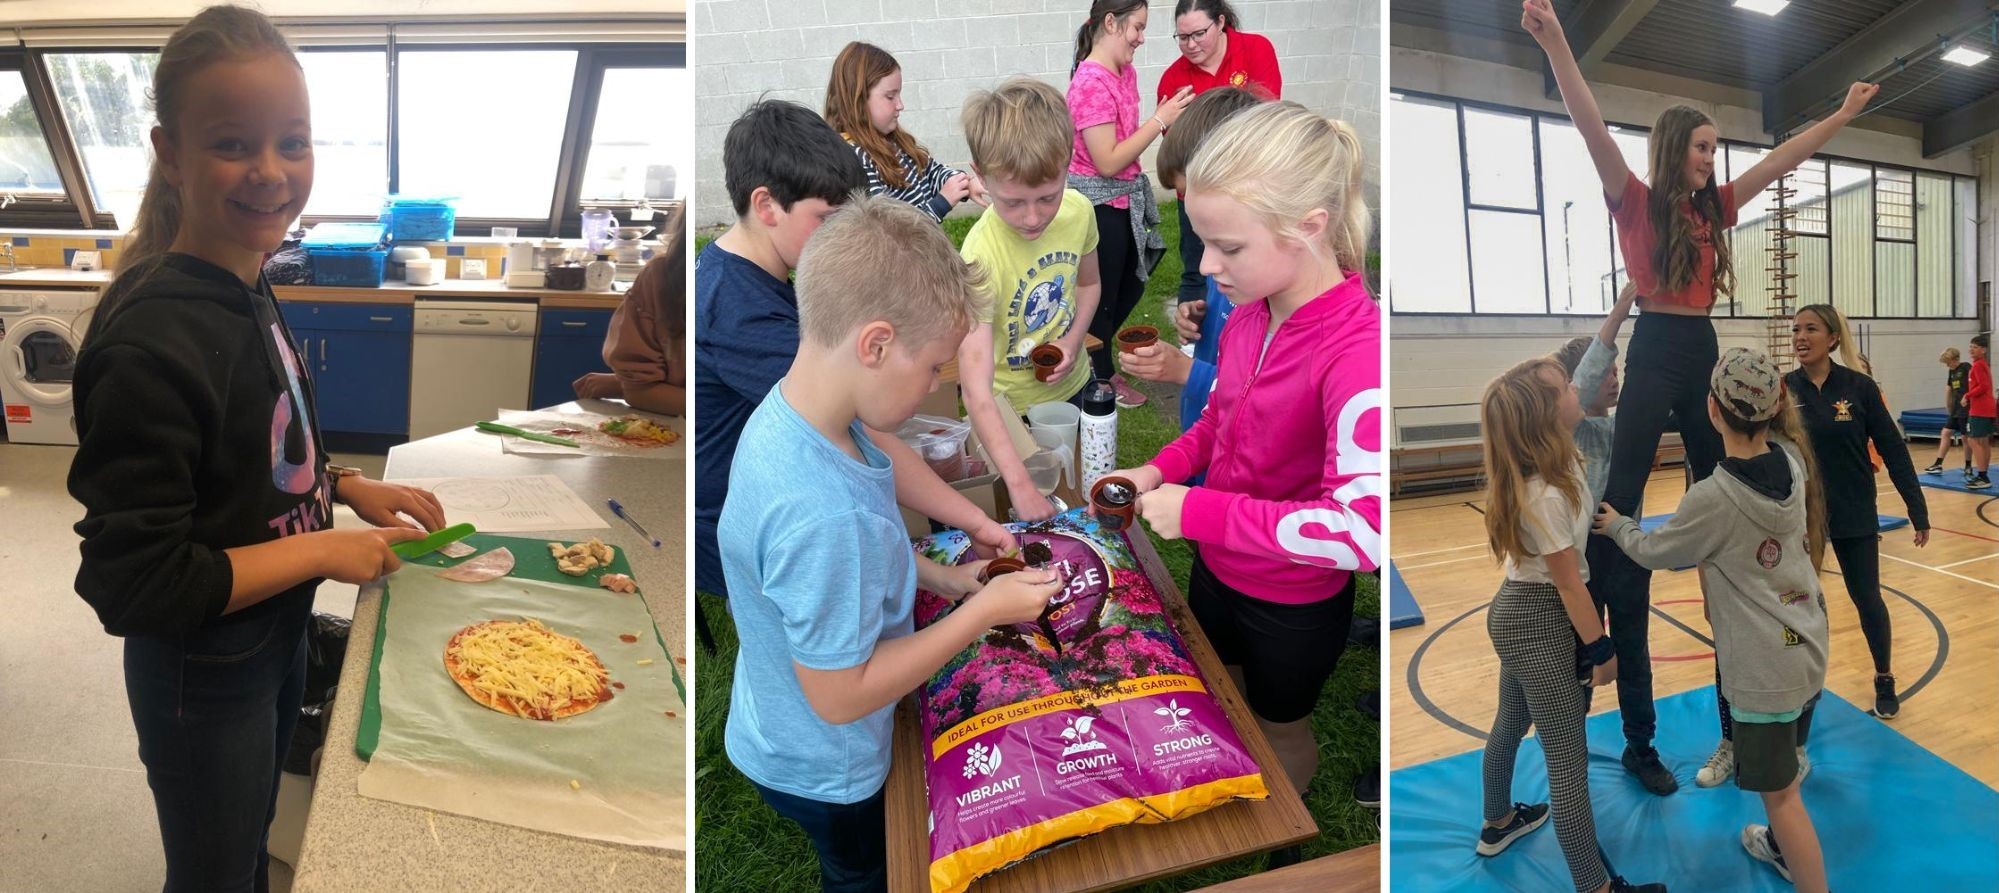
x=490 y=566
x=456 y=550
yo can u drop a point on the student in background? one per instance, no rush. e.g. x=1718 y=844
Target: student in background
x=1103 y=104
x=864 y=103
x=1957 y=375
x=646 y=347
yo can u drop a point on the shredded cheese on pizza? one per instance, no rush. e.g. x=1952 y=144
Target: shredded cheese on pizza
x=528 y=667
x=636 y=428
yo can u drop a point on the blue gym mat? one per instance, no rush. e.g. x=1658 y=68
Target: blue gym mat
x=1889 y=814
x=1927 y=422
x=1953 y=479
x=1402 y=608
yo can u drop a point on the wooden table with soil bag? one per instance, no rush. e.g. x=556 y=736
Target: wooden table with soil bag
x=1125 y=855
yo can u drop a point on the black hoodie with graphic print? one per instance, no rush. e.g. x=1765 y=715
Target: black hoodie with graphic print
x=196 y=434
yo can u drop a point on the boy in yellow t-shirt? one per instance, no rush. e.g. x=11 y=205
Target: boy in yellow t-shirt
x=1037 y=244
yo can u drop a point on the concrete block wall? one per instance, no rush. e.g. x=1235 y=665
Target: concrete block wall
x=1329 y=50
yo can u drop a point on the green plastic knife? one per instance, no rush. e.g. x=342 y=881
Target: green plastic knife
x=498 y=428
x=418 y=548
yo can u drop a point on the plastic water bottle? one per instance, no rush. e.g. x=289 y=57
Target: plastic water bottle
x=1099 y=434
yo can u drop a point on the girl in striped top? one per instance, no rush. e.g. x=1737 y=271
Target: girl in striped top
x=863 y=101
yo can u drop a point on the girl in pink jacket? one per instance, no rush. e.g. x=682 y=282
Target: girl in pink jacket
x=1291 y=437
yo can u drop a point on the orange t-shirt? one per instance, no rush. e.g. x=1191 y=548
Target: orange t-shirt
x=1635 y=239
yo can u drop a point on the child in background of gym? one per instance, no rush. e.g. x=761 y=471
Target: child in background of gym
x=1195 y=374
x=1956 y=378
x=207 y=499
x=1103 y=105
x=1981 y=412
x=1755 y=531
x=1543 y=623
x=864 y=103
x=1291 y=440
x=1592 y=365
x=822 y=579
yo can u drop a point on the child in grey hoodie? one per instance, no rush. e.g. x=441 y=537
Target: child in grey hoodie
x=1755 y=533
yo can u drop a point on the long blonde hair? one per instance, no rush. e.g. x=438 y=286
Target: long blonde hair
x=1835 y=322
x=1524 y=438
x=216 y=34
x=1283 y=161
x=1675 y=256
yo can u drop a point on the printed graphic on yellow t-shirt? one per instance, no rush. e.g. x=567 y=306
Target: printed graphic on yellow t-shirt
x=1034 y=296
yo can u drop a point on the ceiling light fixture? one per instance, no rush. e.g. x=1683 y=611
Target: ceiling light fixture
x=1766 y=7
x=1966 y=56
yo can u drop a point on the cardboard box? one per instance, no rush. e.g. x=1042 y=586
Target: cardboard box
x=985 y=491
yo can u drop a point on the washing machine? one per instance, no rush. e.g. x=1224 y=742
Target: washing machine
x=40 y=334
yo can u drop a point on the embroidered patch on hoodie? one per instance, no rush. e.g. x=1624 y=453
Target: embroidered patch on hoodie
x=1791 y=638
x=1794 y=598
x=1770 y=553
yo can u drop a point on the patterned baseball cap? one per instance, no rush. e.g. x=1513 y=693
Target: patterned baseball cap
x=1747 y=382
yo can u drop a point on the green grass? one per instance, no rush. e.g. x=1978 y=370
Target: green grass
x=742 y=845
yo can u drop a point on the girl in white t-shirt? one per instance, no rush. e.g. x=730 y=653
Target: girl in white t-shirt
x=1550 y=642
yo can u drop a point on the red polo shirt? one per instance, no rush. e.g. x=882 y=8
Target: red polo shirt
x=1250 y=62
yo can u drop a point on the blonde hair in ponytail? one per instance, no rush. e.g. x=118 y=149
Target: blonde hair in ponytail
x=216 y=34
x=1283 y=161
x=1835 y=322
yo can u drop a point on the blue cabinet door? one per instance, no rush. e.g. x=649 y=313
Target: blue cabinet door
x=364 y=381
x=359 y=358
x=568 y=344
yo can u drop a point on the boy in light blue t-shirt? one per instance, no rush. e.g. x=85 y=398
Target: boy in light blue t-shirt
x=822 y=578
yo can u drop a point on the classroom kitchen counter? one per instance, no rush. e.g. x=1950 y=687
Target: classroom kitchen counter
x=356 y=843
x=389 y=292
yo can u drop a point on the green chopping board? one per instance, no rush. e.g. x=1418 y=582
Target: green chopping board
x=531 y=562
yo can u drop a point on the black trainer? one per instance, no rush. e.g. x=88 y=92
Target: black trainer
x=1620 y=885
x=1493 y=841
x=1886 y=702
x=1935 y=468
x=1977 y=483
x=1642 y=760
x=1367 y=788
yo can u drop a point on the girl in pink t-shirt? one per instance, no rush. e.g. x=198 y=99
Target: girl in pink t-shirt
x=1103 y=102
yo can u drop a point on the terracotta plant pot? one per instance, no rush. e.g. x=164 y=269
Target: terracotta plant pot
x=1000 y=566
x=1045 y=358
x=1114 y=500
x=1131 y=338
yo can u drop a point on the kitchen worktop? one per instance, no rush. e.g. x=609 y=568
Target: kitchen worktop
x=389 y=292
x=356 y=843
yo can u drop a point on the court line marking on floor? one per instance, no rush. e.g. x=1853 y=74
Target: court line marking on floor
x=1417 y=567
x=1972 y=580
x=1969 y=561
x=1440 y=551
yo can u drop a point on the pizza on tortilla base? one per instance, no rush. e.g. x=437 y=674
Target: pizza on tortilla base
x=523 y=668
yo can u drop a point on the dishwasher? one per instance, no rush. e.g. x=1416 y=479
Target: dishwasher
x=468 y=361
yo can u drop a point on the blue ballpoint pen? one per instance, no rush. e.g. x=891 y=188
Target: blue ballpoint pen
x=619 y=510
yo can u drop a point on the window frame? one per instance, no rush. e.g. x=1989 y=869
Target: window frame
x=563 y=218
x=1727 y=309
x=77 y=207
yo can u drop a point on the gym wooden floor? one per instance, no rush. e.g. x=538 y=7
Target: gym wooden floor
x=1945 y=592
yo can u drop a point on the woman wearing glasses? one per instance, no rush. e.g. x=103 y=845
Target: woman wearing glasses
x=1214 y=52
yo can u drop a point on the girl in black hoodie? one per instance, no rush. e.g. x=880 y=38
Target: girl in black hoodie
x=208 y=501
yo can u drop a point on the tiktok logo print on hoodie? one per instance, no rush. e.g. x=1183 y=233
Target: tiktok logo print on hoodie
x=294 y=478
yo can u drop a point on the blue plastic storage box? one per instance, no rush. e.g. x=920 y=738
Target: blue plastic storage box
x=347 y=254
x=411 y=219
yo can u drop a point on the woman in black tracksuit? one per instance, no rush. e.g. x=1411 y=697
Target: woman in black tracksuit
x=1843 y=411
